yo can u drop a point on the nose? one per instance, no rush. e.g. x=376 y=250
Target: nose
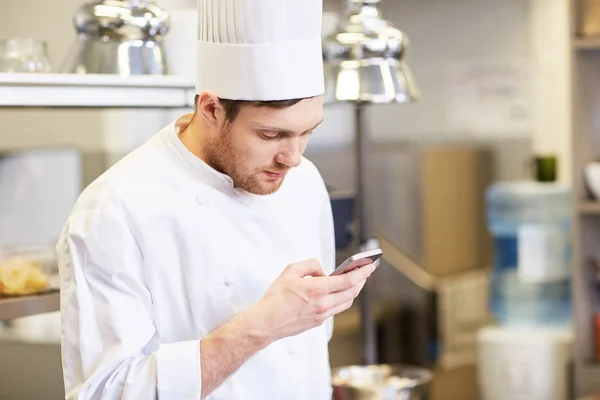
x=291 y=153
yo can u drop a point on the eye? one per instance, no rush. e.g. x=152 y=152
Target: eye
x=268 y=135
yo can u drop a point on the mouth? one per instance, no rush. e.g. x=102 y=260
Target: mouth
x=275 y=175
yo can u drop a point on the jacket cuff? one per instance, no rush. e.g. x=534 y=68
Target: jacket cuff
x=178 y=371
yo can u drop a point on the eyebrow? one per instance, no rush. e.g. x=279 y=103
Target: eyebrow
x=281 y=130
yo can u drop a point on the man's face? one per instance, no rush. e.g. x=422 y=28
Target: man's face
x=262 y=144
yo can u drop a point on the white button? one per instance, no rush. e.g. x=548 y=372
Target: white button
x=292 y=352
x=228 y=281
x=199 y=200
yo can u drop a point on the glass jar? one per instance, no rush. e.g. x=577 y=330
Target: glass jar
x=2 y=51
x=24 y=55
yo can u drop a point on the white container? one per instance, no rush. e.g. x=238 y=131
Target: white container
x=591 y=174
x=524 y=364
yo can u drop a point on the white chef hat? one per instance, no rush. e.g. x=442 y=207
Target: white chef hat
x=260 y=49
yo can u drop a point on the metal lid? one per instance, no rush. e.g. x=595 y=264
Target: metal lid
x=126 y=20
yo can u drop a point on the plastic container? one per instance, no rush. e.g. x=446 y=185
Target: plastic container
x=530 y=223
x=26 y=271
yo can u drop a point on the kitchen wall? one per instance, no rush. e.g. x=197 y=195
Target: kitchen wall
x=49 y=21
x=442 y=33
x=447 y=33
x=102 y=135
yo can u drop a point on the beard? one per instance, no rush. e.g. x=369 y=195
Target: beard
x=225 y=158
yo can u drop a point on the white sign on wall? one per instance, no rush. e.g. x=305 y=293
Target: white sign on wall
x=490 y=98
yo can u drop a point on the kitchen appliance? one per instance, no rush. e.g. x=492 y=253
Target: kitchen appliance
x=381 y=382
x=363 y=64
x=342 y=207
x=122 y=37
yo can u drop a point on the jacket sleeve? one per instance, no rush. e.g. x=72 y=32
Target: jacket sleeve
x=328 y=259
x=110 y=344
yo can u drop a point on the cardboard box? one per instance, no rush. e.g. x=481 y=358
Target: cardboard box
x=429 y=201
x=454 y=384
x=452 y=193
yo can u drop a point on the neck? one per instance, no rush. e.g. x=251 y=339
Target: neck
x=192 y=135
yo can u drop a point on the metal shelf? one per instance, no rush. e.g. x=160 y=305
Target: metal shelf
x=592 y=397
x=586 y=43
x=588 y=378
x=101 y=91
x=16 y=307
x=589 y=207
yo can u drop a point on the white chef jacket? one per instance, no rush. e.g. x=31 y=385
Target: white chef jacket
x=159 y=251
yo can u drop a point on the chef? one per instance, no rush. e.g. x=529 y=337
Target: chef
x=196 y=267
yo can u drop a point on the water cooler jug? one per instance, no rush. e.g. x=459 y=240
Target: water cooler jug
x=526 y=355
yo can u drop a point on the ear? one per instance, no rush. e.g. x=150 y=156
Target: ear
x=209 y=108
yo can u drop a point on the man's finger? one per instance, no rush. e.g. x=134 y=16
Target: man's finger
x=310 y=267
x=345 y=281
x=344 y=296
x=340 y=308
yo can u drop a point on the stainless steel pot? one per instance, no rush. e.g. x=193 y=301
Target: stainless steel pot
x=119 y=37
x=380 y=382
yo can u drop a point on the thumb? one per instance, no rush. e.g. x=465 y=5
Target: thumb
x=306 y=268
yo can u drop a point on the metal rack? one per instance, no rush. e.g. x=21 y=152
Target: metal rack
x=70 y=91
x=100 y=91
x=16 y=307
x=585 y=82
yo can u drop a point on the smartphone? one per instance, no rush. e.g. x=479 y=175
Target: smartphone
x=357 y=261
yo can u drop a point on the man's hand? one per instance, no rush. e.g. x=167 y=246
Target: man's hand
x=302 y=298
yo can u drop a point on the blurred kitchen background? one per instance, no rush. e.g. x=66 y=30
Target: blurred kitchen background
x=482 y=192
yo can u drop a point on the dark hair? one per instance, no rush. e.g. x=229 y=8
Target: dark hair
x=233 y=107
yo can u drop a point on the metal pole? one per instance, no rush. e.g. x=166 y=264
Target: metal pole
x=363 y=149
